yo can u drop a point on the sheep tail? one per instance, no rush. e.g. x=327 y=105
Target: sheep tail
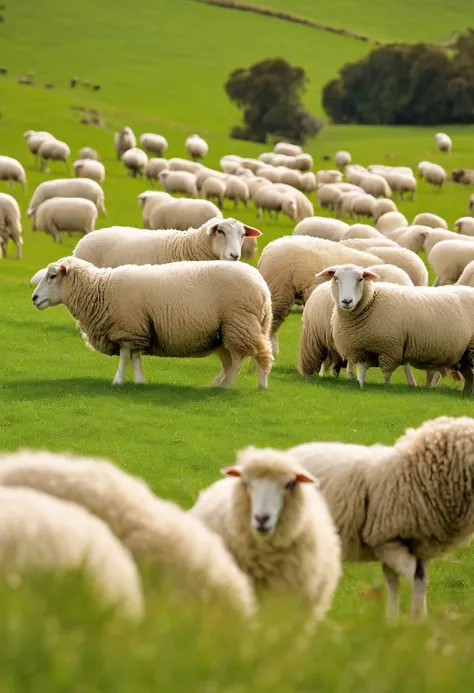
x=263 y=355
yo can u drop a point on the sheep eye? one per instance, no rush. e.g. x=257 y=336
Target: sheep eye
x=220 y=231
x=290 y=485
x=361 y=279
x=53 y=276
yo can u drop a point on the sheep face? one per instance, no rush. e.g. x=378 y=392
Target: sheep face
x=48 y=292
x=348 y=284
x=228 y=237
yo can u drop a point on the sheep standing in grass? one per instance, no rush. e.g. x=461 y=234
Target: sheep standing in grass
x=390 y=221
x=412 y=238
x=12 y=171
x=402 y=505
x=154 y=167
x=34 y=140
x=182 y=214
x=328 y=196
x=304 y=207
x=382 y=206
x=124 y=140
x=443 y=142
x=214 y=188
x=342 y=159
x=68 y=187
x=237 y=190
x=45 y=535
x=449 y=258
x=321 y=227
x=10 y=224
x=135 y=160
x=276 y=524
x=179 y=181
x=88 y=168
x=186 y=309
x=268 y=198
x=197 y=147
x=156 y=144
x=287 y=149
x=52 y=149
x=432 y=173
x=88 y=153
x=174 y=543
x=308 y=182
x=177 y=164
x=438 y=235
x=432 y=220
x=60 y=214
x=148 y=200
x=328 y=177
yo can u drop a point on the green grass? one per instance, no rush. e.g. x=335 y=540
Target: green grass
x=161 y=66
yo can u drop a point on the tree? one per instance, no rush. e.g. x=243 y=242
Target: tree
x=269 y=93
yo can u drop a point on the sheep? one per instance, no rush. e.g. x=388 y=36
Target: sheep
x=344 y=204
x=11 y=170
x=71 y=214
x=412 y=238
x=465 y=226
x=387 y=325
x=363 y=206
x=270 y=173
x=291 y=177
x=443 y=142
x=135 y=160
x=237 y=190
x=270 y=199
x=438 y=235
x=432 y=220
x=156 y=144
x=342 y=159
x=177 y=164
x=382 y=206
x=148 y=200
x=287 y=149
x=402 y=183
x=251 y=165
x=45 y=535
x=196 y=147
x=88 y=168
x=361 y=231
x=403 y=258
x=289 y=266
x=276 y=524
x=328 y=196
x=152 y=529
x=375 y=185
x=433 y=174
x=88 y=153
x=354 y=173
x=214 y=188
x=391 y=221
x=321 y=227
x=204 y=173
x=230 y=163
x=467 y=275
x=449 y=258
x=176 y=310
x=302 y=162
x=154 y=167
x=179 y=181
x=400 y=505
x=181 y=214
x=463 y=176
x=10 y=224
x=304 y=206
x=122 y=246
x=359 y=243
x=255 y=184
x=124 y=140
x=308 y=182
x=323 y=177
x=68 y=187
x=34 y=139
x=52 y=149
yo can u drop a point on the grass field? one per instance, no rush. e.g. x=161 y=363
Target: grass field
x=161 y=68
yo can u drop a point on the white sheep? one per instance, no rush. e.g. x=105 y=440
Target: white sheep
x=438 y=235
x=328 y=196
x=68 y=187
x=382 y=206
x=302 y=162
x=154 y=530
x=185 y=309
x=364 y=206
x=342 y=159
x=255 y=184
x=443 y=142
x=308 y=182
x=412 y=238
x=59 y=214
x=41 y=534
x=465 y=226
x=391 y=221
x=323 y=177
x=197 y=148
x=88 y=153
x=237 y=190
x=376 y=185
x=147 y=200
x=449 y=258
x=432 y=173
x=361 y=231
x=124 y=140
x=276 y=524
x=12 y=171
x=135 y=160
x=204 y=173
x=179 y=181
x=272 y=200
x=214 y=188
x=402 y=183
x=321 y=227
x=154 y=167
x=156 y=144
x=304 y=206
x=467 y=276
x=387 y=325
x=88 y=168
x=10 y=224
x=287 y=149
x=403 y=258
x=52 y=149
x=118 y=245
x=181 y=214
x=429 y=219
x=34 y=139
x=291 y=177
x=177 y=164
x=354 y=173
x=344 y=204
x=270 y=173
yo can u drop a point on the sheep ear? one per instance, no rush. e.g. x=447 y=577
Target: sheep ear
x=250 y=232
x=63 y=268
x=328 y=272
x=213 y=229
x=306 y=478
x=235 y=470
x=367 y=274
x=36 y=278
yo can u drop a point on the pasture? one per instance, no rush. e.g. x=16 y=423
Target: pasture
x=162 y=70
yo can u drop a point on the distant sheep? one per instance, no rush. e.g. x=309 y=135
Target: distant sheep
x=390 y=221
x=177 y=164
x=342 y=159
x=154 y=167
x=59 y=214
x=237 y=190
x=124 y=140
x=179 y=181
x=52 y=149
x=321 y=227
x=323 y=177
x=181 y=214
x=68 y=187
x=34 y=139
x=465 y=226
x=432 y=220
x=10 y=224
x=214 y=189
x=156 y=144
x=268 y=198
x=88 y=153
x=287 y=149
x=135 y=160
x=383 y=206
x=197 y=148
x=88 y=168
x=443 y=142
x=12 y=171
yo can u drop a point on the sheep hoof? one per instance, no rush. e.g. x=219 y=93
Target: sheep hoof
x=117 y=381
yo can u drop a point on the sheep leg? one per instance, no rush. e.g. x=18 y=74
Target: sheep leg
x=433 y=378
x=18 y=244
x=226 y=360
x=420 y=588
x=362 y=371
x=351 y=370
x=399 y=560
x=232 y=372
x=275 y=343
x=392 y=584
x=124 y=357
x=410 y=378
x=138 y=376
x=466 y=372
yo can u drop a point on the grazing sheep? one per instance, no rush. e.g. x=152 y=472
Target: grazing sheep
x=34 y=139
x=464 y=176
x=197 y=148
x=177 y=164
x=148 y=200
x=438 y=235
x=41 y=534
x=156 y=144
x=443 y=142
x=59 y=214
x=287 y=149
x=328 y=196
x=270 y=173
x=361 y=231
x=304 y=206
x=465 y=226
x=289 y=266
x=382 y=206
x=214 y=188
x=359 y=243
x=328 y=177
x=291 y=177
x=68 y=187
x=182 y=214
x=88 y=168
x=179 y=181
x=237 y=190
x=354 y=173
x=403 y=258
x=302 y=162
x=255 y=184
x=432 y=220
x=152 y=529
x=52 y=149
x=363 y=206
x=375 y=185
x=412 y=238
x=321 y=227
x=135 y=160
x=270 y=199
x=204 y=173
x=186 y=309
x=449 y=258
x=349 y=187
x=10 y=224
x=118 y=245
x=251 y=165
x=400 y=505
x=342 y=159
x=432 y=173
x=124 y=140
x=344 y=204
x=154 y=167
x=230 y=163
x=391 y=221
x=276 y=524
x=402 y=183
x=88 y=153
x=387 y=325
x=308 y=182
x=11 y=170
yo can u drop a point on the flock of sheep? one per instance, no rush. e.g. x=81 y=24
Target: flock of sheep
x=176 y=288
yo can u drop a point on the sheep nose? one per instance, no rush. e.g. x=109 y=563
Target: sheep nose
x=262 y=521
x=34 y=298
x=346 y=301
x=234 y=256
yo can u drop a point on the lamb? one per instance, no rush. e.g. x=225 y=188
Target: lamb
x=156 y=144
x=186 y=309
x=390 y=221
x=237 y=190
x=432 y=220
x=120 y=245
x=287 y=149
x=308 y=182
x=375 y=185
x=59 y=214
x=323 y=177
x=382 y=206
x=328 y=196
x=11 y=170
x=465 y=226
x=400 y=505
x=276 y=524
x=135 y=161
x=362 y=231
x=42 y=534
x=342 y=159
x=181 y=214
x=443 y=142
x=10 y=224
x=197 y=147
x=269 y=198
x=412 y=238
x=88 y=153
x=88 y=168
x=68 y=187
x=304 y=206
x=179 y=181
x=387 y=325
x=124 y=140
x=289 y=266
x=449 y=258
x=177 y=164
x=321 y=227
x=150 y=528
x=214 y=188
x=52 y=149
x=434 y=174
x=154 y=167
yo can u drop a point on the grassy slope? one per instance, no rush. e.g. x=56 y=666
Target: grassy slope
x=423 y=20
x=177 y=432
